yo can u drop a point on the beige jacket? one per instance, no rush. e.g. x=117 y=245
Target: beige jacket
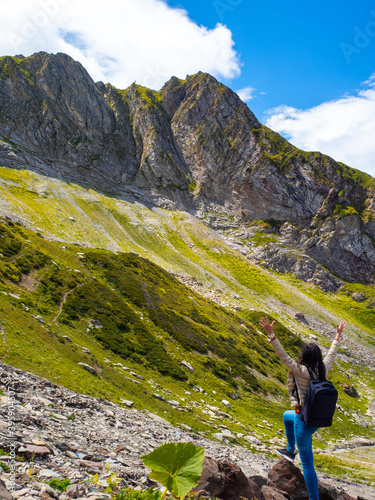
x=299 y=372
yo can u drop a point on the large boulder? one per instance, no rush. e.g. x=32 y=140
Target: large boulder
x=288 y=479
x=226 y=481
x=4 y=493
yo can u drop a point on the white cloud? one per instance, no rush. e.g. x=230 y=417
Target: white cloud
x=246 y=94
x=119 y=41
x=344 y=128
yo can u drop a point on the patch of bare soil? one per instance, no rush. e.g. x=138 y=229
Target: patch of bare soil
x=29 y=281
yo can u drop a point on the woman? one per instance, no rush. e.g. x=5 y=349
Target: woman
x=297 y=432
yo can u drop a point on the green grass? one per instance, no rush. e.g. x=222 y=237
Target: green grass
x=361 y=178
x=59 y=484
x=342 y=211
x=151 y=98
x=151 y=322
x=11 y=65
x=357 y=467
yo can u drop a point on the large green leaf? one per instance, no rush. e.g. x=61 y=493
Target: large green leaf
x=177 y=466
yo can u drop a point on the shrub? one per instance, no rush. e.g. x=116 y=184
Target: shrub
x=123 y=331
x=131 y=494
x=29 y=261
x=9 y=244
x=58 y=484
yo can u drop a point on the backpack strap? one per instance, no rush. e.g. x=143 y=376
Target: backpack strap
x=295 y=391
x=311 y=373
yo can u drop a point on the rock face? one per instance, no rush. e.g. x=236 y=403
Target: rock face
x=193 y=145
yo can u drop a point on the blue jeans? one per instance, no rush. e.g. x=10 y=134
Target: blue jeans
x=297 y=433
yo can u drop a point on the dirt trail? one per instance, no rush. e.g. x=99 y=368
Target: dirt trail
x=63 y=302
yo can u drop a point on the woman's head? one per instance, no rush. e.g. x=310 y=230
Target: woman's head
x=311 y=356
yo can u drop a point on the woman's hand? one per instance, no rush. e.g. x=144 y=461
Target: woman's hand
x=265 y=323
x=339 y=329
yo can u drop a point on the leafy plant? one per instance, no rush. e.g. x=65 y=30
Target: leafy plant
x=5 y=467
x=177 y=466
x=112 y=480
x=132 y=494
x=59 y=484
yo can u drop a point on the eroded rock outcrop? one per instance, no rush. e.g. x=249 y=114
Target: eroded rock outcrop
x=193 y=145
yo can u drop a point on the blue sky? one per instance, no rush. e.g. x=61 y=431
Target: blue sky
x=307 y=70
x=293 y=50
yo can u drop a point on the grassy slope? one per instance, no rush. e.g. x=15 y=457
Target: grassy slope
x=143 y=308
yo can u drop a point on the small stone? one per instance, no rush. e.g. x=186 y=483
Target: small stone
x=159 y=396
x=50 y=491
x=19 y=493
x=358 y=297
x=350 y=390
x=38 y=442
x=186 y=427
x=234 y=395
x=24 y=479
x=300 y=317
x=127 y=403
x=173 y=403
x=37 y=451
x=187 y=366
x=49 y=473
x=253 y=440
x=88 y=368
x=59 y=417
x=4 y=493
x=99 y=496
x=72 y=491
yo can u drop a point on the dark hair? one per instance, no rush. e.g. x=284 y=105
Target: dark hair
x=311 y=357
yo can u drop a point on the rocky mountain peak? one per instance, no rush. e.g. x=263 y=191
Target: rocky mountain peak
x=192 y=145
x=172 y=95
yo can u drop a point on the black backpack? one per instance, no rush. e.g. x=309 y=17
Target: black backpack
x=320 y=402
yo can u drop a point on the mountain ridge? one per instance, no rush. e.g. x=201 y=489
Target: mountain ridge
x=193 y=145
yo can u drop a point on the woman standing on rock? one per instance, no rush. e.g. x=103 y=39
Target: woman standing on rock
x=297 y=432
